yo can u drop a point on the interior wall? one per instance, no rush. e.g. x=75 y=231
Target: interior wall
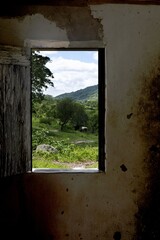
x=123 y=202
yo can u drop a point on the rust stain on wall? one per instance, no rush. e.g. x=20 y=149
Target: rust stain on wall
x=148 y=216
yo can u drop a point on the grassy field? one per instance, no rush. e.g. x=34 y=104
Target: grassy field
x=75 y=148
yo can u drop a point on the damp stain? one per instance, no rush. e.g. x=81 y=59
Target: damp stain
x=148 y=116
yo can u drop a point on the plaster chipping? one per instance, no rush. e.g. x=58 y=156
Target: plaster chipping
x=18 y=30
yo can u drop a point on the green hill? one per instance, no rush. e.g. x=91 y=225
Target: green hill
x=88 y=93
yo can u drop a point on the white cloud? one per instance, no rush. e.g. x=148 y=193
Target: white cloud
x=95 y=56
x=71 y=75
x=48 y=53
x=60 y=63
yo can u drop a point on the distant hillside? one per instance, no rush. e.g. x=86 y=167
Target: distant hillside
x=88 y=93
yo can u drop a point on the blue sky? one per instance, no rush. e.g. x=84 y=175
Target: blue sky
x=72 y=70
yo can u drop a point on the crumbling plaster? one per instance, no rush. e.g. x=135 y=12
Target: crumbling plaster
x=50 y=24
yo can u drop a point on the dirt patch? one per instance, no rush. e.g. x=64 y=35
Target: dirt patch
x=75 y=165
x=83 y=141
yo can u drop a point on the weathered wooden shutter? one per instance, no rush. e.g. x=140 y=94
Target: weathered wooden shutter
x=15 y=111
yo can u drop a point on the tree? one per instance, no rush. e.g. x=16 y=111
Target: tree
x=79 y=117
x=41 y=76
x=70 y=111
x=92 y=111
x=93 y=121
x=65 y=111
x=45 y=110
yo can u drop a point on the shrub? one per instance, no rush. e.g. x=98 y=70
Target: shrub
x=45 y=120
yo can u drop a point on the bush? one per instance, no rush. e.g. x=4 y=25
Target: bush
x=45 y=120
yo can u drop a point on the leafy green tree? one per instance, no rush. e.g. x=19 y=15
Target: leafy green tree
x=92 y=111
x=45 y=110
x=93 y=122
x=65 y=111
x=70 y=111
x=79 y=117
x=41 y=76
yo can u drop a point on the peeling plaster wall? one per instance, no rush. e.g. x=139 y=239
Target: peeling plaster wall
x=50 y=24
x=18 y=31
x=122 y=203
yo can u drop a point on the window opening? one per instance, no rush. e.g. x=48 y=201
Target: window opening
x=68 y=109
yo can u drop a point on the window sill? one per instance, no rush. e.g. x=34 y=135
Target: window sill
x=75 y=170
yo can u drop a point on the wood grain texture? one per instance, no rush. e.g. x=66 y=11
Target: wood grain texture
x=15 y=123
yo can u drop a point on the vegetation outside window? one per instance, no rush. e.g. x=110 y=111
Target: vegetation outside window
x=68 y=109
